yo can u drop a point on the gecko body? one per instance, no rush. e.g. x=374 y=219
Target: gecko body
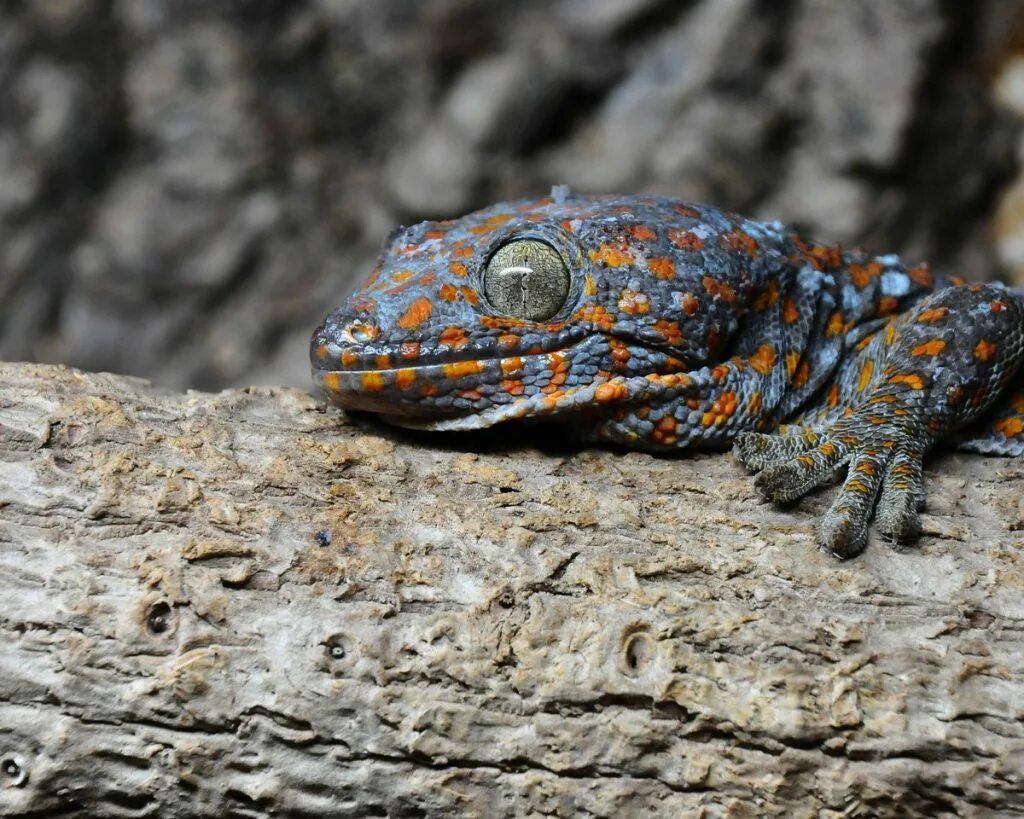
x=662 y=325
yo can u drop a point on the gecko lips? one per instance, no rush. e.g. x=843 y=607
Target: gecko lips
x=487 y=380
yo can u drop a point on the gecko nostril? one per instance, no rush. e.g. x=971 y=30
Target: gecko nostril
x=359 y=333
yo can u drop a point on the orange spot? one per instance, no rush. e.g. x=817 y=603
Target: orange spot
x=597 y=314
x=589 y=286
x=372 y=382
x=364 y=304
x=405 y=378
x=685 y=239
x=662 y=268
x=687 y=211
x=984 y=350
x=789 y=312
x=792 y=360
x=434 y=234
x=610 y=391
x=418 y=312
x=717 y=289
x=921 y=275
x=642 y=232
x=910 y=379
x=861 y=274
x=460 y=369
x=929 y=348
x=448 y=292
x=864 y=342
x=835 y=325
x=454 y=337
x=383 y=361
x=767 y=298
x=754 y=404
x=764 y=359
x=821 y=256
x=508 y=340
x=997 y=306
x=513 y=387
x=409 y=350
x=511 y=365
x=462 y=252
x=721 y=411
x=739 y=241
x=469 y=294
x=669 y=331
x=349 y=358
x=1010 y=427
x=865 y=375
x=887 y=305
x=690 y=304
x=833 y=395
x=457 y=269
x=935 y=314
x=611 y=256
x=803 y=372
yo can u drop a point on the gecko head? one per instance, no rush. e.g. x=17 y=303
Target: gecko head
x=519 y=310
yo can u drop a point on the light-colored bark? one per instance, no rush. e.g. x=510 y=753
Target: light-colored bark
x=562 y=632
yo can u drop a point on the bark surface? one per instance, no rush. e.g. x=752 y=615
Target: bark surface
x=243 y=604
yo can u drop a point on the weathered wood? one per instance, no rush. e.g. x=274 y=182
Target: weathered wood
x=517 y=632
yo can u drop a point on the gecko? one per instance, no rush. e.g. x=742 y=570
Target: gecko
x=662 y=325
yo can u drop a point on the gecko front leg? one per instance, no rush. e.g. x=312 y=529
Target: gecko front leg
x=923 y=377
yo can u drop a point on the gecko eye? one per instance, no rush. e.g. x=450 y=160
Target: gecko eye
x=526 y=279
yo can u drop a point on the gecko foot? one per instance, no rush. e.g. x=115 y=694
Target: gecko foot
x=883 y=481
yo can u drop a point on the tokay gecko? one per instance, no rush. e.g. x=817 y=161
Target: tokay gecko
x=661 y=325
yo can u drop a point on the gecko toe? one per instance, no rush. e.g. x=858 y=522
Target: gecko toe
x=902 y=496
x=757 y=451
x=793 y=478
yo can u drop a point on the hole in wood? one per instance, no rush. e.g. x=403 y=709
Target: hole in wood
x=158 y=618
x=337 y=648
x=638 y=651
x=13 y=771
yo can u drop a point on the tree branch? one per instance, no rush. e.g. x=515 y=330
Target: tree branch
x=243 y=603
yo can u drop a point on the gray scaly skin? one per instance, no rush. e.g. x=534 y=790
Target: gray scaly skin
x=662 y=325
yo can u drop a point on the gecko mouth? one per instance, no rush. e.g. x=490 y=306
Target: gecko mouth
x=480 y=392
x=419 y=394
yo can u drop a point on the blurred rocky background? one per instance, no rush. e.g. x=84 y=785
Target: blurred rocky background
x=187 y=187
